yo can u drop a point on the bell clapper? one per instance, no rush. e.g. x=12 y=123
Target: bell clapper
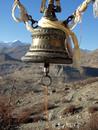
x=46 y=79
x=46 y=68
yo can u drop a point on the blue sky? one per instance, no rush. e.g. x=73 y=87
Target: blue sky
x=87 y=31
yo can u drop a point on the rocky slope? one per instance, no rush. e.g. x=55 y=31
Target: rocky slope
x=72 y=97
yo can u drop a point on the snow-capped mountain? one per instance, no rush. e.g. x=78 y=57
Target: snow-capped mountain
x=15 y=43
x=15 y=49
x=18 y=43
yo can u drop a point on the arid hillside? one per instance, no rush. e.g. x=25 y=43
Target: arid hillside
x=72 y=96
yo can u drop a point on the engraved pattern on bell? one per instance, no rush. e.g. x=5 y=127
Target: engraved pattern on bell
x=48 y=46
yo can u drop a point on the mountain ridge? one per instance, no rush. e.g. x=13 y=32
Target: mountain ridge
x=17 y=49
x=14 y=43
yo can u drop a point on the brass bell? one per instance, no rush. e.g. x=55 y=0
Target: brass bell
x=48 y=46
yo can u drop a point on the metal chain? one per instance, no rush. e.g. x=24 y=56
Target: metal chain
x=75 y=18
x=46 y=102
x=24 y=16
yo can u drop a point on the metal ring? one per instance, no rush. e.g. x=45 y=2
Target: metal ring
x=70 y=18
x=34 y=25
x=46 y=80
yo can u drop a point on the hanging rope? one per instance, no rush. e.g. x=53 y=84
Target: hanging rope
x=48 y=125
x=77 y=15
x=46 y=105
x=24 y=16
x=43 y=6
x=23 y=13
x=95 y=8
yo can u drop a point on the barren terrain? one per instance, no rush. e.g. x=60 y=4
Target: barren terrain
x=72 y=97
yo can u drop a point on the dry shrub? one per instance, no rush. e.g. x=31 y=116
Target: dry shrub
x=94 y=121
x=72 y=109
x=33 y=114
x=69 y=109
x=7 y=122
x=40 y=107
x=92 y=109
x=92 y=124
x=27 y=116
x=24 y=115
x=10 y=120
